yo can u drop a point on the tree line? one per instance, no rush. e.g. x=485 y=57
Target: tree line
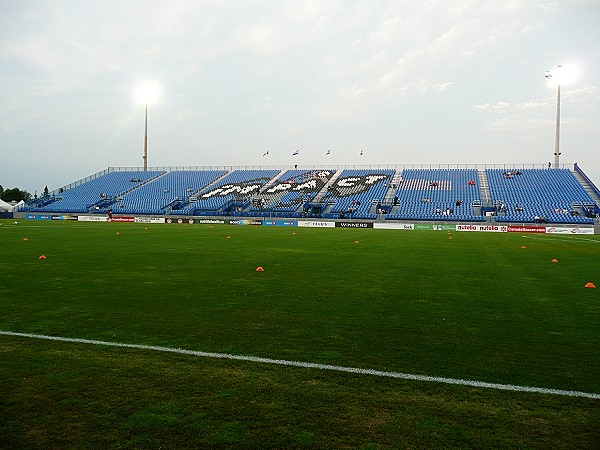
x=14 y=194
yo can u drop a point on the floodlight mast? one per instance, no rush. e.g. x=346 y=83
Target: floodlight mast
x=557 y=136
x=147 y=94
x=146 y=139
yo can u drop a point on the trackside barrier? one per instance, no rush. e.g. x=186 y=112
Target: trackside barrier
x=536 y=229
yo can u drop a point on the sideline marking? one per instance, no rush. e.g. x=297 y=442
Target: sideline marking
x=562 y=236
x=283 y=362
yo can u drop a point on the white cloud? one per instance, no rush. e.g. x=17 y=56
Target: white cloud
x=536 y=113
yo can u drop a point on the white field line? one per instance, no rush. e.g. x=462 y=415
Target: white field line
x=564 y=237
x=283 y=362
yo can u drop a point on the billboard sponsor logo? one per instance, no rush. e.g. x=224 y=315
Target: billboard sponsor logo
x=92 y=218
x=279 y=223
x=513 y=229
x=210 y=221
x=315 y=224
x=122 y=219
x=354 y=224
x=573 y=230
x=246 y=222
x=149 y=220
x=492 y=228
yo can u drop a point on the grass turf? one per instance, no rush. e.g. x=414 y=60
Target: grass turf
x=476 y=307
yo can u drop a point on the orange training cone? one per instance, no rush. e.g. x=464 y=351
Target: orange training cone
x=555 y=260
x=117 y=233
x=450 y=237
x=25 y=239
x=590 y=285
x=42 y=257
x=356 y=242
x=228 y=237
x=522 y=246
x=260 y=269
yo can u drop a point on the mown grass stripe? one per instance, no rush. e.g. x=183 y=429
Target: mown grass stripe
x=283 y=362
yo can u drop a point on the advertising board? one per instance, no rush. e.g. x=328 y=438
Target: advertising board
x=354 y=224
x=393 y=226
x=279 y=223
x=525 y=229
x=92 y=218
x=485 y=228
x=246 y=222
x=149 y=220
x=566 y=230
x=316 y=224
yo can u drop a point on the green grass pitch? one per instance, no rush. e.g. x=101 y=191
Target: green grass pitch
x=477 y=307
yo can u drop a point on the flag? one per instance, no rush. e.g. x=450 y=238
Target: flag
x=328 y=152
x=266 y=153
x=361 y=153
x=296 y=153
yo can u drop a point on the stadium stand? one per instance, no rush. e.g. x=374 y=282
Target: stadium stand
x=167 y=193
x=357 y=193
x=437 y=194
x=537 y=195
x=231 y=193
x=97 y=194
x=291 y=194
x=416 y=194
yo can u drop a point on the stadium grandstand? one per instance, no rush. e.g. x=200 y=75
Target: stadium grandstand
x=473 y=193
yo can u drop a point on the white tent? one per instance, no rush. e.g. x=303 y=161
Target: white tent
x=18 y=205
x=5 y=206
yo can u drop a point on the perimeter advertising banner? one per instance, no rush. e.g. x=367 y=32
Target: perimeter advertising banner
x=49 y=217
x=211 y=221
x=180 y=221
x=393 y=226
x=513 y=229
x=354 y=224
x=92 y=218
x=122 y=219
x=149 y=220
x=316 y=224
x=485 y=228
x=573 y=230
x=279 y=223
x=38 y=217
x=246 y=222
x=424 y=226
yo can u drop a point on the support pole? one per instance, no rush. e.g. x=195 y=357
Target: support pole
x=557 y=138
x=146 y=140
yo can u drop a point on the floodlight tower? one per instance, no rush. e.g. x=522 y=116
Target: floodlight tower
x=554 y=75
x=147 y=94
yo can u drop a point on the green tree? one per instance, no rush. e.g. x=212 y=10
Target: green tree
x=14 y=195
x=46 y=192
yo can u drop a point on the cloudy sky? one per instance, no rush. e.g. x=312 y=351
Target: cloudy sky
x=407 y=82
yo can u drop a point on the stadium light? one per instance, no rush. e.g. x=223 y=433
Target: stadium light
x=556 y=77
x=147 y=94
